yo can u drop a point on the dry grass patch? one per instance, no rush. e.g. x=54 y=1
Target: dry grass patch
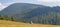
x=4 y=23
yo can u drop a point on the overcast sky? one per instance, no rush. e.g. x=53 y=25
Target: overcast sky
x=4 y=3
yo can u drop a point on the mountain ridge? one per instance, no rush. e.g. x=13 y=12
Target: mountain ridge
x=32 y=12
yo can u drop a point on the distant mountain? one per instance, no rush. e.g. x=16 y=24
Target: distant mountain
x=32 y=12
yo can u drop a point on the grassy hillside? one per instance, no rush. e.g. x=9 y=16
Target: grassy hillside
x=4 y=23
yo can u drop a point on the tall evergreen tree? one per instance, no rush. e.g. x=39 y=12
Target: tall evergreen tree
x=1 y=17
x=12 y=18
x=6 y=17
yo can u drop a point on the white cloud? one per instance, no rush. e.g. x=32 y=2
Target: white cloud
x=2 y=6
x=50 y=2
x=45 y=0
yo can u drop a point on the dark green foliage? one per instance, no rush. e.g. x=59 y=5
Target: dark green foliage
x=12 y=18
x=1 y=18
x=6 y=17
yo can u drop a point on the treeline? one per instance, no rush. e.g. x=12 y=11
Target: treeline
x=50 y=18
x=5 y=17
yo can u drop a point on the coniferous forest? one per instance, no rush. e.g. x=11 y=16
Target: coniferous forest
x=38 y=14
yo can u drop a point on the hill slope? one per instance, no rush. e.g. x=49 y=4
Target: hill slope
x=19 y=8
x=4 y=23
x=31 y=12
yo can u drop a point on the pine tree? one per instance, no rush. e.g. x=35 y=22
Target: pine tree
x=12 y=18
x=1 y=17
x=6 y=17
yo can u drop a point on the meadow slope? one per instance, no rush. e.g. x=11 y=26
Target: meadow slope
x=4 y=23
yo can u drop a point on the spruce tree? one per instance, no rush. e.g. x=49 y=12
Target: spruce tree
x=1 y=17
x=6 y=17
x=12 y=18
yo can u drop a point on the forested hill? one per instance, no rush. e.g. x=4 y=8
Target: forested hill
x=31 y=12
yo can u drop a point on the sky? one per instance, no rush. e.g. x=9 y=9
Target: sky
x=5 y=3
